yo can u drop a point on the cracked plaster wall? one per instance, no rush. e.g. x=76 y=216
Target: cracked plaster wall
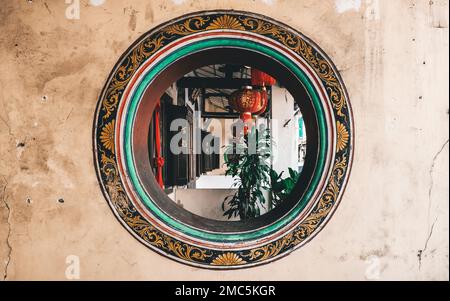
x=392 y=222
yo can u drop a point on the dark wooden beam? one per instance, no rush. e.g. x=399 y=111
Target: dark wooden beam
x=220 y=83
x=216 y=95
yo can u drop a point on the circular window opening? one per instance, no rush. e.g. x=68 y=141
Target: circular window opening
x=214 y=138
x=215 y=99
x=189 y=141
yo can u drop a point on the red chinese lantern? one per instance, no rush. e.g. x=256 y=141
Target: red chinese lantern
x=262 y=79
x=247 y=102
x=264 y=101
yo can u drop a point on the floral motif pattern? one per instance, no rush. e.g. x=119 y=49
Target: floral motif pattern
x=227 y=259
x=342 y=136
x=226 y=22
x=107 y=136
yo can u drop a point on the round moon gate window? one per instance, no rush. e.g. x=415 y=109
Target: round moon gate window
x=238 y=68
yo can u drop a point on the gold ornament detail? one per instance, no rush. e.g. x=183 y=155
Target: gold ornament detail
x=228 y=259
x=107 y=136
x=126 y=70
x=189 y=26
x=225 y=22
x=342 y=136
x=270 y=250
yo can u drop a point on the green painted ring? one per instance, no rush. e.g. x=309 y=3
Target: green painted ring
x=131 y=113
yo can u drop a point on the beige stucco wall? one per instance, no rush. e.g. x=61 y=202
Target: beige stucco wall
x=392 y=56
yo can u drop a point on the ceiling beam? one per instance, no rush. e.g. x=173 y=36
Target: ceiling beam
x=220 y=83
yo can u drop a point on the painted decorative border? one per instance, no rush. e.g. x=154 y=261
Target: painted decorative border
x=180 y=246
x=125 y=122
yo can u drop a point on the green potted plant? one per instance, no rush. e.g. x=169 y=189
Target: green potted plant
x=248 y=161
x=281 y=188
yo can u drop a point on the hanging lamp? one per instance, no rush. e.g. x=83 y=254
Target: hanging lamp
x=252 y=100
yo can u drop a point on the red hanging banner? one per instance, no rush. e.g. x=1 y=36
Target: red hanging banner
x=159 y=160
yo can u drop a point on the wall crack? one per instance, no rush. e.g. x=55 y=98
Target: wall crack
x=8 y=244
x=430 y=172
x=422 y=251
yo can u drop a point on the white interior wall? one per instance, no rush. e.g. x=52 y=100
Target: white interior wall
x=284 y=132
